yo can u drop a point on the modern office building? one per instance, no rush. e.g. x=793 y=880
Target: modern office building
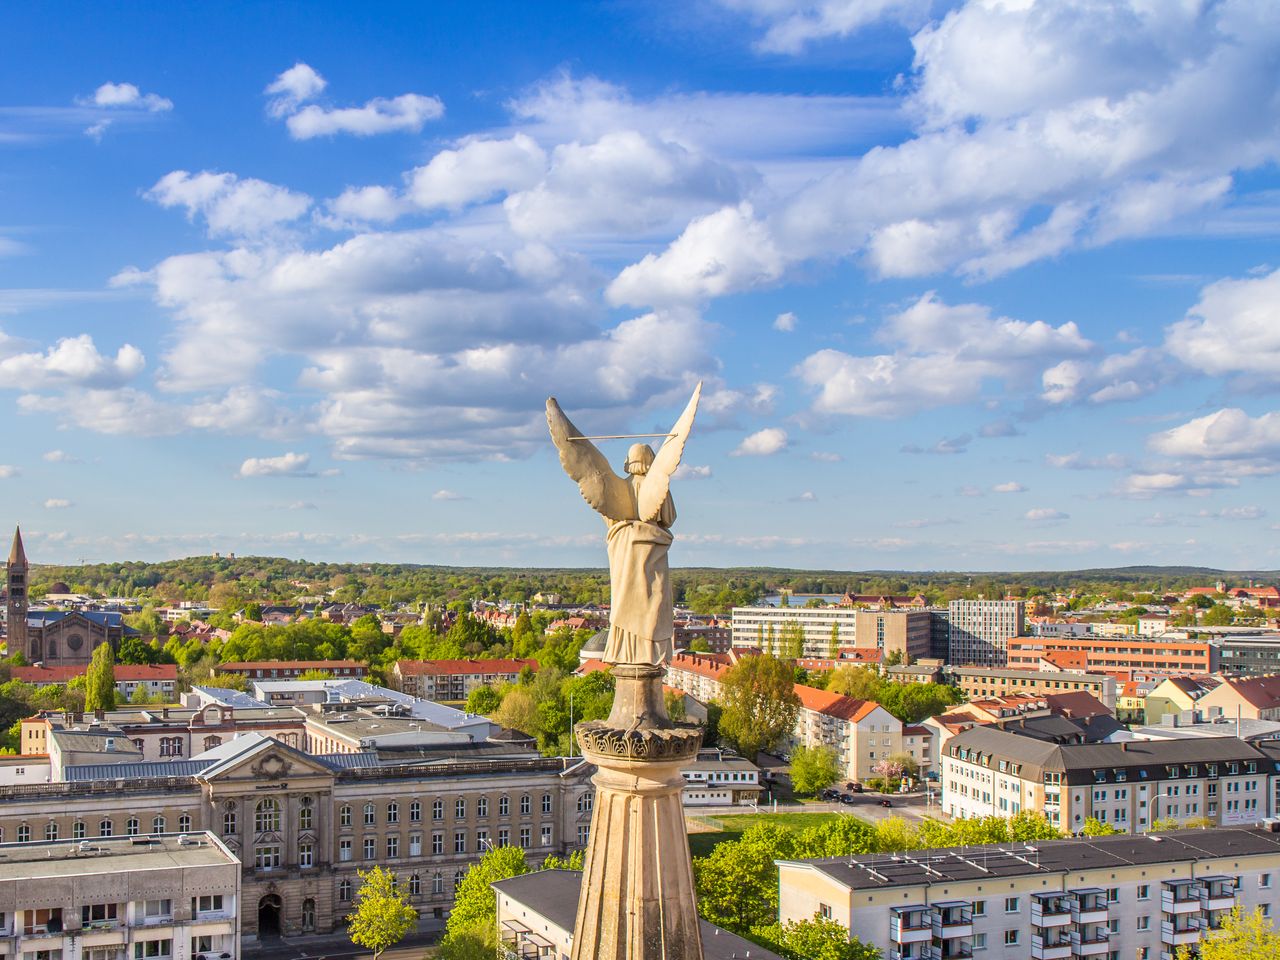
x=161 y=897
x=1126 y=658
x=1113 y=897
x=979 y=630
x=1250 y=655
x=826 y=629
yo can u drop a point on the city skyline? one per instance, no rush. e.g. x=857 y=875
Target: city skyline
x=971 y=286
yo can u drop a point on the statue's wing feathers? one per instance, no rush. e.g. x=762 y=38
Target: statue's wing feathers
x=607 y=492
x=657 y=482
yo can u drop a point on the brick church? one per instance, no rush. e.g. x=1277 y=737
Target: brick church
x=66 y=637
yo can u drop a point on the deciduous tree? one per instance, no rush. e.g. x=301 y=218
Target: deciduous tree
x=381 y=914
x=100 y=682
x=813 y=769
x=759 y=703
x=1242 y=936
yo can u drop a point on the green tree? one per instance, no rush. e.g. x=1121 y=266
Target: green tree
x=817 y=939
x=381 y=914
x=792 y=640
x=1093 y=827
x=1219 y=615
x=100 y=682
x=813 y=769
x=1242 y=936
x=737 y=884
x=758 y=703
x=470 y=933
x=483 y=700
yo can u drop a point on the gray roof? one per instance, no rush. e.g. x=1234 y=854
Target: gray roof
x=554 y=895
x=133 y=771
x=942 y=866
x=1140 y=759
x=94 y=741
x=1024 y=674
x=226 y=698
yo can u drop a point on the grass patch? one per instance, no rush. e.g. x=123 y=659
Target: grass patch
x=732 y=826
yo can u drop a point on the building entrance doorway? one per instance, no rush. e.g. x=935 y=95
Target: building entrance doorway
x=269 y=915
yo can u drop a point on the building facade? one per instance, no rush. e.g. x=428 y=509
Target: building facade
x=997 y=682
x=1126 y=658
x=443 y=680
x=827 y=629
x=1108 y=897
x=978 y=631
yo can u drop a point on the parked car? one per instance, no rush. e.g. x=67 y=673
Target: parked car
x=886 y=802
x=847 y=798
x=853 y=786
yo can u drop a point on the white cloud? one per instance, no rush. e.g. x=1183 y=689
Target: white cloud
x=56 y=503
x=286 y=465
x=128 y=96
x=946 y=355
x=1077 y=461
x=448 y=495
x=785 y=322
x=369 y=204
x=407 y=112
x=8 y=471
x=1227 y=434
x=72 y=361
x=1125 y=376
x=229 y=205
x=1233 y=329
x=295 y=86
x=791 y=26
x=688 y=471
x=762 y=443
x=1011 y=486
x=825 y=456
x=59 y=456
x=947 y=445
x=1045 y=515
x=477 y=170
x=725 y=251
x=808 y=496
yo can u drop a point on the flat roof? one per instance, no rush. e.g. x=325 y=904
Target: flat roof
x=952 y=864
x=47 y=859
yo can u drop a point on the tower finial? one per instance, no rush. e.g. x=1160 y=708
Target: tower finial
x=17 y=555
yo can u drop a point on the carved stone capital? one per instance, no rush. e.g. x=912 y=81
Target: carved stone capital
x=603 y=739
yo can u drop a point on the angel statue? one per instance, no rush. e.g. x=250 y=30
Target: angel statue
x=639 y=512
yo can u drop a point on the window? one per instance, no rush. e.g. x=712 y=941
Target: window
x=457 y=878
x=1011 y=938
x=308 y=914
x=211 y=742
x=344 y=815
x=482 y=841
x=460 y=841
x=24 y=833
x=156 y=909
x=1144 y=892
x=1010 y=904
x=393 y=847
x=1264 y=881
x=546 y=803
x=825 y=910
x=504 y=837
x=979 y=908
x=437 y=883
x=306 y=855
x=415 y=812
x=504 y=806
x=150 y=949
x=184 y=823
x=104 y=827
x=1144 y=923
x=51 y=831
x=546 y=836
x=415 y=844
x=437 y=810
x=306 y=815
x=99 y=913
x=131 y=827
x=157 y=824
x=1113 y=895
x=584 y=835
x=370 y=814
x=437 y=843
x=370 y=847
x=344 y=848
x=459 y=808
x=209 y=903
x=266 y=815
x=482 y=807
x=979 y=941
x=77 y=830
x=585 y=802
x=344 y=890
x=526 y=805
x=393 y=812
x=415 y=886
x=266 y=856
x=526 y=838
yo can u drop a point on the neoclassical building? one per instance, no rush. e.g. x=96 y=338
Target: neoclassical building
x=303 y=825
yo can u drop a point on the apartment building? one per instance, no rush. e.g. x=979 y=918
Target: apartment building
x=292 y=669
x=155 y=679
x=826 y=629
x=1125 y=658
x=997 y=682
x=1113 y=897
x=716 y=778
x=165 y=897
x=1254 y=698
x=303 y=825
x=454 y=679
x=1130 y=784
x=980 y=629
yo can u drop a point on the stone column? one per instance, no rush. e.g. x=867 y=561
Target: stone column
x=637 y=900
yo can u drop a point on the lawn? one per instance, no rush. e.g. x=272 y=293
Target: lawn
x=707 y=831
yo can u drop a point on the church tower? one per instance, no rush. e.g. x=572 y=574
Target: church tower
x=16 y=608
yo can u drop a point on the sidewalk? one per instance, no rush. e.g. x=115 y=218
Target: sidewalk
x=332 y=946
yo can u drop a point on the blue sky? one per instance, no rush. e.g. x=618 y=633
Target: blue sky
x=984 y=285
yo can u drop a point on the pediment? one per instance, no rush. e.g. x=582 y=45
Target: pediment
x=265 y=761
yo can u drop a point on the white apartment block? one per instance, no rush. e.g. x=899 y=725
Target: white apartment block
x=827 y=628
x=165 y=897
x=979 y=630
x=1114 y=898
x=1129 y=785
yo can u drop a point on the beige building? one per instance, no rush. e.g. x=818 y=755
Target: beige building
x=997 y=682
x=826 y=629
x=1253 y=698
x=454 y=679
x=303 y=825
x=169 y=898
x=1112 y=897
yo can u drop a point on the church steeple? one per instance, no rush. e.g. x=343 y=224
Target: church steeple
x=15 y=613
x=17 y=555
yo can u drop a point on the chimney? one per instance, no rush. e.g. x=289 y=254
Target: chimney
x=1124 y=745
x=99 y=713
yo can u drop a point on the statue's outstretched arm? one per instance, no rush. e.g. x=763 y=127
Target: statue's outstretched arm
x=657 y=482
x=608 y=493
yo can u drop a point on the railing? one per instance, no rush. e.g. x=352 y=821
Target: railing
x=21 y=791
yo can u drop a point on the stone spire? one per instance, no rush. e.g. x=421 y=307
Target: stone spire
x=17 y=555
x=16 y=602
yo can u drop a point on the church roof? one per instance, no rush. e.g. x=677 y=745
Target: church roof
x=17 y=555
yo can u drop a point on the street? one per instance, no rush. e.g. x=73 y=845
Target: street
x=337 y=947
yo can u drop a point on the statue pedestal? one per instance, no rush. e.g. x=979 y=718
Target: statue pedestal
x=637 y=899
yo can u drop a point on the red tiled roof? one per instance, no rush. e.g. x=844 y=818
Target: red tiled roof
x=417 y=668
x=292 y=665
x=712 y=665
x=1067 y=659
x=833 y=704
x=1263 y=692
x=61 y=673
x=595 y=666
x=1076 y=705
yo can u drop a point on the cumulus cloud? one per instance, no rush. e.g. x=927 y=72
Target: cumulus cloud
x=1234 y=329
x=72 y=361
x=689 y=471
x=301 y=84
x=369 y=204
x=1045 y=515
x=785 y=322
x=286 y=465
x=59 y=456
x=762 y=443
x=1228 y=434
x=128 y=96
x=293 y=87
x=1078 y=461
x=1011 y=486
x=1125 y=376
x=229 y=205
x=448 y=495
x=8 y=471
x=790 y=27
x=477 y=170
x=57 y=503
x=947 y=445
x=808 y=496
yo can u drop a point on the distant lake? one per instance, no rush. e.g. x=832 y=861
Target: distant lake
x=800 y=599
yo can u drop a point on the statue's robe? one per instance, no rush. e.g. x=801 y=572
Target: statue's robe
x=640 y=628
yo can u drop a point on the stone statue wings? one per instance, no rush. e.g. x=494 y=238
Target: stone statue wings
x=612 y=496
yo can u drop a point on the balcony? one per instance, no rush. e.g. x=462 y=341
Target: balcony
x=1089 y=906
x=910 y=952
x=1050 y=910
x=1050 y=948
x=1090 y=943
x=1180 y=934
x=914 y=926
x=1219 y=893
x=952 y=920
x=1182 y=901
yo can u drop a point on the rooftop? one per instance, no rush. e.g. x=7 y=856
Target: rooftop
x=44 y=860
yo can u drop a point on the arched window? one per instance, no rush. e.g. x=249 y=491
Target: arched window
x=504 y=806
x=51 y=831
x=415 y=812
x=437 y=809
x=526 y=804
x=344 y=815
x=157 y=824
x=415 y=886
x=105 y=827
x=457 y=878
x=53 y=649
x=370 y=814
x=437 y=883
x=460 y=808
x=184 y=823
x=266 y=815
x=77 y=830
x=24 y=833
x=344 y=890
x=308 y=914
x=393 y=812
x=131 y=827
x=211 y=742
x=306 y=815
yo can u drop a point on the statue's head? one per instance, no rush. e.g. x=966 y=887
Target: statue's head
x=639 y=457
